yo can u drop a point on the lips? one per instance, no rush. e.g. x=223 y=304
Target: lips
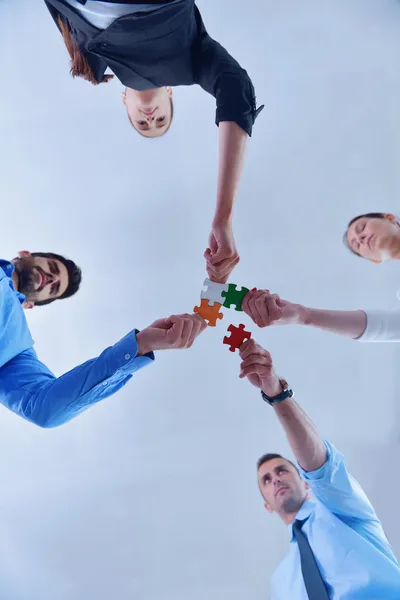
x=281 y=489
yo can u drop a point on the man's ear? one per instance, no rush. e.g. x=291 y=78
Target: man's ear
x=268 y=508
x=28 y=305
x=376 y=262
x=124 y=97
x=24 y=253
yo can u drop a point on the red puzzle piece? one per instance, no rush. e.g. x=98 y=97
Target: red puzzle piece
x=238 y=336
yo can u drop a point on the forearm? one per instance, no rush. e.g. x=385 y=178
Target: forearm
x=232 y=146
x=305 y=441
x=350 y=323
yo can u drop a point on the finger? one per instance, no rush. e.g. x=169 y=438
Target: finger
x=222 y=269
x=249 y=347
x=186 y=333
x=199 y=325
x=162 y=323
x=174 y=334
x=246 y=300
x=274 y=312
x=259 y=307
x=256 y=307
x=256 y=358
x=262 y=371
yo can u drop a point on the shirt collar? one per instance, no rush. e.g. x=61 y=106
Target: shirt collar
x=303 y=514
x=7 y=269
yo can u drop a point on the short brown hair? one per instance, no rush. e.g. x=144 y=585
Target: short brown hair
x=270 y=456
x=79 y=65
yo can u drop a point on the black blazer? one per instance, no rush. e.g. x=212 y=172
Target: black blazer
x=169 y=46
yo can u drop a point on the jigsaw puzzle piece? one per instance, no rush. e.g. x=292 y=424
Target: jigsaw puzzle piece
x=214 y=292
x=209 y=313
x=234 y=296
x=237 y=337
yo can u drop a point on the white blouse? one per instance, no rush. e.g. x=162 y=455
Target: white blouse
x=102 y=14
x=382 y=326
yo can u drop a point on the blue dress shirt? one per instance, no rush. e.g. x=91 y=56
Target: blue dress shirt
x=347 y=538
x=29 y=388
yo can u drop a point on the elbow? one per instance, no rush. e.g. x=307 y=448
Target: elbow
x=44 y=422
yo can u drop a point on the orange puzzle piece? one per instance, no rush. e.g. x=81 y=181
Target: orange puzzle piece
x=209 y=313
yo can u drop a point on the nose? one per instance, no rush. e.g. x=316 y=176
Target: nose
x=149 y=119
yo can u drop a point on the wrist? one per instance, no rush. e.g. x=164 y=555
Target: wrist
x=305 y=315
x=273 y=387
x=222 y=218
x=143 y=347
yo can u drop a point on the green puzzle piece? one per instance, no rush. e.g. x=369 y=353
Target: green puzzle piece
x=234 y=296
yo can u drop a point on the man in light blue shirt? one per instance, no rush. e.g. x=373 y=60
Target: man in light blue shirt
x=27 y=386
x=338 y=549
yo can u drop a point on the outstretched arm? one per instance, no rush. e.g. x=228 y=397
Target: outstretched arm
x=305 y=441
x=366 y=326
x=29 y=389
x=218 y=73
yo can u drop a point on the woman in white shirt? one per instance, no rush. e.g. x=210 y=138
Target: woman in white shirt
x=373 y=236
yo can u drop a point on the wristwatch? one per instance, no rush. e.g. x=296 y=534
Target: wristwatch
x=286 y=392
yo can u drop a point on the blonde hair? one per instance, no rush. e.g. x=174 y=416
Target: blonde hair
x=79 y=65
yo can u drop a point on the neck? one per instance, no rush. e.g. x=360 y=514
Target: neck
x=288 y=517
x=15 y=280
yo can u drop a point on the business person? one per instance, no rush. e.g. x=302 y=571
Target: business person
x=152 y=47
x=338 y=549
x=27 y=386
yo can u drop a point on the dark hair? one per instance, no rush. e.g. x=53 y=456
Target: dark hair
x=74 y=276
x=172 y=116
x=375 y=215
x=79 y=65
x=270 y=456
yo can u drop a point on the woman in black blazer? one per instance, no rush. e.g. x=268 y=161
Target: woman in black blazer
x=152 y=47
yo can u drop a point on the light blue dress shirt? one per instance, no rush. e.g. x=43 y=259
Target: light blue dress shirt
x=347 y=538
x=29 y=388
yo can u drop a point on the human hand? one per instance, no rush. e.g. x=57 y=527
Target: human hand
x=221 y=255
x=174 y=333
x=257 y=366
x=267 y=309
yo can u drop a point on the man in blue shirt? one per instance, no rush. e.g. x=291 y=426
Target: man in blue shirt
x=338 y=549
x=27 y=386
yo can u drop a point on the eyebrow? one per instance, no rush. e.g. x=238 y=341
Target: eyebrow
x=276 y=469
x=53 y=266
x=55 y=288
x=146 y=127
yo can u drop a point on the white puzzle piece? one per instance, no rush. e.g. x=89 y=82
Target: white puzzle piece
x=214 y=291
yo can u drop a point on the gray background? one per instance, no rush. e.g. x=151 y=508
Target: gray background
x=152 y=494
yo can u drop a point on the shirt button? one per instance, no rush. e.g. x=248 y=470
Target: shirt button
x=127 y=356
x=104 y=383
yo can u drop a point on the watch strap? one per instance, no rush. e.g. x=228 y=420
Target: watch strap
x=286 y=393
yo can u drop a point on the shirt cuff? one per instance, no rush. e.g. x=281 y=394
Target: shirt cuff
x=328 y=468
x=125 y=355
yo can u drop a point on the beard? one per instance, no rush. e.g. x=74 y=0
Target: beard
x=24 y=268
x=292 y=503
